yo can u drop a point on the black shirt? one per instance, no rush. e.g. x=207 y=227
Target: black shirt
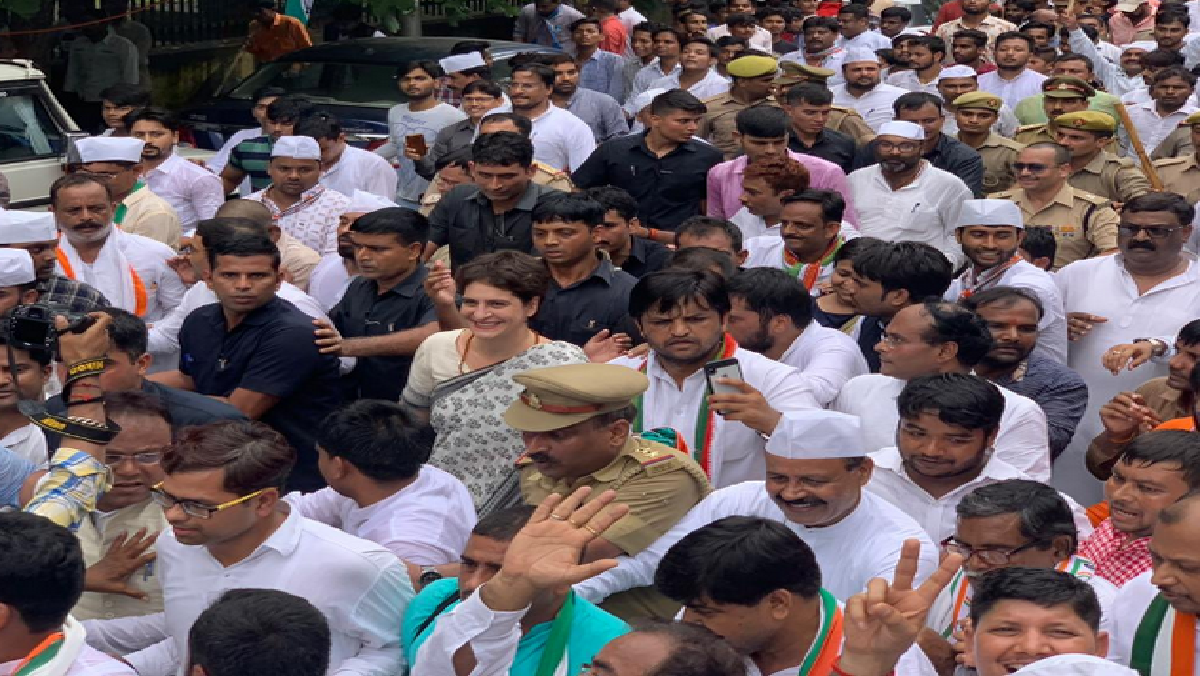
x=271 y=352
x=949 y=155
x=645 y=256
x=463 y=219
x=669 y=189
x=833 y=146
x=363 y=311
x=580 y=311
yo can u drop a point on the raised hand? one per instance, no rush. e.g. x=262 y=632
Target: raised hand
x=606 y=346
x=110 y=575
x=439 y=284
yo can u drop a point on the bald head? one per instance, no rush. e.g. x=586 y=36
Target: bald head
x=1182 y=509
x=248 y=209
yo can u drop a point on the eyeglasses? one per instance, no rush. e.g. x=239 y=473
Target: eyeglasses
x=142 y=458
x=1031 y=167
x=903 y=146
x=197 y=509
x=1153 y=231
x=992 y=557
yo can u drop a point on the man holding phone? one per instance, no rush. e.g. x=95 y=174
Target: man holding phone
x=724 y=421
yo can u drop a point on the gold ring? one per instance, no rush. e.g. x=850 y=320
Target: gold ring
x=558 y=518
x=577 y=525
x=591 y=530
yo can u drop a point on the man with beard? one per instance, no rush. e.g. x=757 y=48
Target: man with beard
x=944 y=450
x=249 y=159
x=1060 y=95
x=773 y=316
x=1094 y=169
x=1168 y=108
x=969 y=48
x=807 y=237
x=334 y=272
x=1120 y=78
x=990 y=233
x=576 y=421
x=943 y=152
x=816 y=467
x=1012 y=315
x=925 y=55
x=420 y=115
x=560 y=139
x=863 y=90
x=299 y=204
x=683 y=314
x=118 y=162
x=192 y=192
x=975 y=17
x=598 y=110
x=130 y=270
x=820 y=50
x=1156 y=606
x=904 y=197
x=974 y=115
x=345 y=168
x=1012 y=80
x=931 y=338
x=1084 y=224
x=37 y=233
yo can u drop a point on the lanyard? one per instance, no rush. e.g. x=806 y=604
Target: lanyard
x=556 y=643
x=705 y=419
x=42 y=655
x=807 y=273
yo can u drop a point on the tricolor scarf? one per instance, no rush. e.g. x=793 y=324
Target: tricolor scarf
x=973 y=283
x=57 y=654
x=807 y=273
x=705 y=417
x=1165 y=641
x=112 y=274
x=827 y=645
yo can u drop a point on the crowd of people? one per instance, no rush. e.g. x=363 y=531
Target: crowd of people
x=781 y=340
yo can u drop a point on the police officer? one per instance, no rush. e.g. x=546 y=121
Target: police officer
x=1060 y=95
x=1083 y=224
x=576 y=422
x=1182 y=174
x=1093 y=169
x=841 y=119
x=753 y=82
x=975 y=113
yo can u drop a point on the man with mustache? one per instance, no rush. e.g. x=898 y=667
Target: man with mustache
x=130 y=270
x=864 y=90
x=576 y=422
x=118 y=162
x=301 y=206
x=192 y=191
x=37 y=233
x=816 y=467
x=334 y=272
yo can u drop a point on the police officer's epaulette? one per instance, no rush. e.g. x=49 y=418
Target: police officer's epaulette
x=1005 y=195
x=1031 y=127
x=1170 y=161
x=1093 y=198
x=1125 y=162
x=714 y=98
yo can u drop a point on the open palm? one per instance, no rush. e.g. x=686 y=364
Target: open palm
x=548 y=550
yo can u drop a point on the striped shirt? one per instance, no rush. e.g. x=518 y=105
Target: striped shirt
x=71 y=489
x=252 y=157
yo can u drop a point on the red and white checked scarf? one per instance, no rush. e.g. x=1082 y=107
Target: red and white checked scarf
x=1118 y=557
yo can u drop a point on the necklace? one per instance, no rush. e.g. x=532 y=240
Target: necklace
x=462 y=360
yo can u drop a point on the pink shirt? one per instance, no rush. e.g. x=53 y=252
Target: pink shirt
x=725 y=184
x=1123 y=31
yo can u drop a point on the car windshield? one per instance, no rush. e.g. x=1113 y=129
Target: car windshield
x=328 y=82
x=26 y=129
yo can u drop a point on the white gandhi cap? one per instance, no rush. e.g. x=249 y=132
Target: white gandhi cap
x=26 y=227
x=363 y=202
x=1074 y=665
x=957 y=71
x=109 y=149
x=16 y=267
x=908 y=130
x=860 y=54
x=461 y=62
x=817 y=435
x=297 y=147
x=990 y=212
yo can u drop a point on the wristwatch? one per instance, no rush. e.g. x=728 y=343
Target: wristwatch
x=429 y=575
x=1159 y=348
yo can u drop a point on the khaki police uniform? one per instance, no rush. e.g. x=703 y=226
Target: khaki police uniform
x=844 y=120
x=850 y=123
x=1034 y=133
x=1059 y=87
x=998 y=153
x=1106 y=175
x=1083 y=224
x=658 y=483
x=720 y=122
x=1180 y=175
x=1177 y=144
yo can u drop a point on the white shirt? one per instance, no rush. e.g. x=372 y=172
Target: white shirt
x=938 y=516
x=561 y=140
x=358 y=169
x=1152 y=127
x=713 y=84
x=1023 y=440
x=863 y=545
x=316 y=224
x=766 y=251
x=909 y=81
x=1027 y=84
x=761 y=40
x=752 y=227
x=1131 y=604
x=1101 y=286
x=425 y=523
x=148 y=257
x=28 y=442
x=644 y=78
x=1052 y=329
x=361 y=588
x=875 y=106
x=192 y=191
x=89 y=662
x=329 y=281
x=827 y=359
x=925 y=210
x=1109 y=72
x=737 y=451
x=872 y=40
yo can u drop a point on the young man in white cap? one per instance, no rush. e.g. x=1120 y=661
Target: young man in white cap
x=904 y=197
x=957 y=80
x=118 y=161
x=37 y=233
x=192 y=191
x=816 y=468
x=990 y=233
x=345 y=168
x=864 y=90
x=129 y=269
x=301 y=206
x=334 y=273
x=25 y=376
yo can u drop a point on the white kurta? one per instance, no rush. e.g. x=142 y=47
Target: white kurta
x=1128 y=608
x=875 y=106
x=863 y=545
x=1023 y=441
x=90 y=662
x=195 y=193
x=1052 y=330
x=425 y=523
x=1027 y=84
x=329 y=281
x=827 y=359
x=712 y=84
x=938 y=516
x=1101 y=286
x=358 y=169
x=29 y=442
x=925 y=210
x=737 y=451
x=164 y=289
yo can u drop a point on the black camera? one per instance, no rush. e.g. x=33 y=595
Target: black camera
x=31 y=327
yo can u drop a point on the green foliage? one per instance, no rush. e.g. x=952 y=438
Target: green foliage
x=22 y=8
x=452 y=10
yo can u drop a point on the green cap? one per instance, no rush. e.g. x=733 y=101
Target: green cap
x=985 y=100
x=795 y=73
x=1087 y=120
x=1067 y=87
x=560 y=396
x=752 y=66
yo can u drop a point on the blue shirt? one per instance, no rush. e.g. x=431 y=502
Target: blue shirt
x=1058 y=389
x=14 y=470
x=603 y=72
x=591 y=629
